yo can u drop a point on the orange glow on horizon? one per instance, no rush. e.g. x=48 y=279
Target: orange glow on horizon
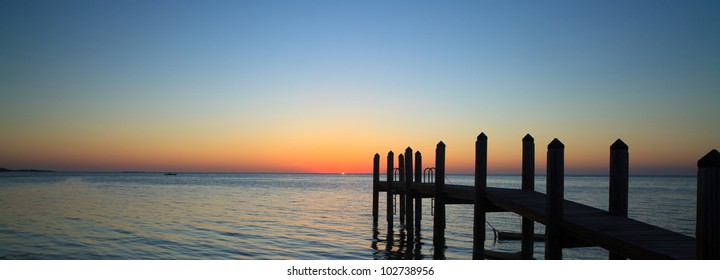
x=338 y=151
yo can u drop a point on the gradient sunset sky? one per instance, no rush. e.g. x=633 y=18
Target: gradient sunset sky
x=321 y=86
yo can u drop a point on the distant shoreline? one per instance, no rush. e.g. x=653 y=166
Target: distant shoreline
x=24 y=170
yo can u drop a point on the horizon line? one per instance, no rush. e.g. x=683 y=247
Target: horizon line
x=325 y=173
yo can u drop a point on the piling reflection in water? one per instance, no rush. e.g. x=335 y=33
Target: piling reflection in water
x=405 y=249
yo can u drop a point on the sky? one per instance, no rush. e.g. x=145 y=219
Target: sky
x=321 y=86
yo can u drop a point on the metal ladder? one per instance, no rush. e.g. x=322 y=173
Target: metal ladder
x=429 y=177
x=396 y=172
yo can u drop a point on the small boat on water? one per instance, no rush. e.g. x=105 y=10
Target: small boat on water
x=170 y=174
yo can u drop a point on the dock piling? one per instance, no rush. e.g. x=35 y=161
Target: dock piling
x=402 y=194
x=618 y=189
x=418 y=198
x=555 y=199
x=479 y=207
x=409 y=197
x=528 y=184
x=707 y=227
x=390 y=175
x=439 y=217
x=376 y=192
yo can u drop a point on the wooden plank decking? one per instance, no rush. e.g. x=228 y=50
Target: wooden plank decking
x=594 y=227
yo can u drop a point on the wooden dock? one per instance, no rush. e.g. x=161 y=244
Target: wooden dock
x=568 y=224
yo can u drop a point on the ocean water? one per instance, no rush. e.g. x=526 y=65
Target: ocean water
x=270 y=216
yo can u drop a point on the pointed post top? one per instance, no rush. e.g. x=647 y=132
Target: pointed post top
x=528 y=138
x=408 y=150
x=441 y=144
x=619 y=145
x=377 y=155
x=711 y=159
x=391 y=153
x=482 y=136
x=556 y=144
x=417 y=153
x=401 y=156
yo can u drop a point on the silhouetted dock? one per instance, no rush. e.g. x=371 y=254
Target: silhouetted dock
x=568 y=224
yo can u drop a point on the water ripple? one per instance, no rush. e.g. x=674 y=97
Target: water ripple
x=258 y=216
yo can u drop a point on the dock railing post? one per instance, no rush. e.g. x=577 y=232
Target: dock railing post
x=528 y=184
x=618 y=188
x=479 y=207
x=402 y=194
x=439 y=217
x=409 y=196
x=390 y=175
x=555 y=200
x=418 y=198
x=707 y=227
x=376 y=193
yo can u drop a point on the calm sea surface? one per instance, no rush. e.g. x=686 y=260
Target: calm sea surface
x=269 y=216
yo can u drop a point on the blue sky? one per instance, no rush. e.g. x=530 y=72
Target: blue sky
x=644 y=71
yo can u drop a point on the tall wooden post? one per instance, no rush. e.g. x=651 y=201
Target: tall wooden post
x=409 y=196
x=376 y=193
x=418 y=198
x=439 y=217
x=390 y=175
x=401 y=194
x=555 y=199
x=707 y=227
x=528 y=184
x=618 y=197
x=480 y=185
x=418 y=167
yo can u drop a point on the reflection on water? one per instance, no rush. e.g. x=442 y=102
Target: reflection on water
x=396 y=246
x=261 y=216
x=188 y=216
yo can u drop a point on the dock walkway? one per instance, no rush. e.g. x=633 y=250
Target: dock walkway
x=568 y=224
